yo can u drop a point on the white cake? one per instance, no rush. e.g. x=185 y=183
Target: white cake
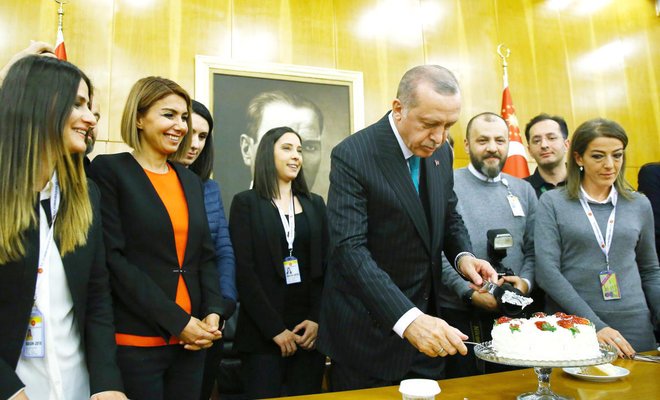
x=558 y=337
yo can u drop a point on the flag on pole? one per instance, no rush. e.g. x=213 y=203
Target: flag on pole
x=516 y=162
x=60 y=50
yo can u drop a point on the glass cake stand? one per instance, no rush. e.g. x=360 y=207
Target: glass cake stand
x=543 y=368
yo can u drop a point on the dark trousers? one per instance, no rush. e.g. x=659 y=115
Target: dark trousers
x=211 y=365
x=161 y=373
x=468 y=365
x=345 y=377
x=271 y=375
x=477 y=325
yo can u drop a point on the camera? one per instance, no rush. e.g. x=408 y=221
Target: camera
x=499 y=240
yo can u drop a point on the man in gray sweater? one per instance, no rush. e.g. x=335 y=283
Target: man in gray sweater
x=487 y=199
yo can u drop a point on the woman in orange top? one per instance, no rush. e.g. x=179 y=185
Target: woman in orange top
x=167 y=301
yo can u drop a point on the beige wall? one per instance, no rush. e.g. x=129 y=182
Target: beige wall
x=579 y=62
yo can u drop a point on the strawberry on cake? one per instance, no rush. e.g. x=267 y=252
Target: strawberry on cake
x=557 y=337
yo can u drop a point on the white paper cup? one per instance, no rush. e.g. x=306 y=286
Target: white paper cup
x=419 y=389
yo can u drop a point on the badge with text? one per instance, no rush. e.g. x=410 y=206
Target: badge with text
x=35 y=346
x=515 y=205
x=609 y=285
x=291 y=270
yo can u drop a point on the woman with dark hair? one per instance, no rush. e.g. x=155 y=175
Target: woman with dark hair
x=199 y=159
x=279 y=232
x=55 y=304
x=595 y=252
x=165 y=285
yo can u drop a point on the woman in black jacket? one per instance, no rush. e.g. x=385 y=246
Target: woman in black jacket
x=57 y=338
x=279 y=233
x=165 y=285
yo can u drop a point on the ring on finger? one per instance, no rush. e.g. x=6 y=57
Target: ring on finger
x=617 y=339
x=441 y=350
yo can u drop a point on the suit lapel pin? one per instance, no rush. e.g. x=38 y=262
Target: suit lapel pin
x=436 y=162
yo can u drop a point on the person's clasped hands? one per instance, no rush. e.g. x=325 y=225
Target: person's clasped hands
x=200 y=334
x=310 y=331
x=289 y=341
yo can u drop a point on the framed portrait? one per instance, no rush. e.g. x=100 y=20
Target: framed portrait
x=247 y=99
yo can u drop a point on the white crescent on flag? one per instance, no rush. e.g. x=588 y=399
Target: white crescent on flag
x=517 y=149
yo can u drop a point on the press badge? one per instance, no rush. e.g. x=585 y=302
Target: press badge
x=609 y=285
x=515 y=205
x=291 y=270
x=35 y=346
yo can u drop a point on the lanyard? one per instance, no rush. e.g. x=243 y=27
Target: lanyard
x=54 y=207
x=606 y=243
x=288 y=224
x=506 y=185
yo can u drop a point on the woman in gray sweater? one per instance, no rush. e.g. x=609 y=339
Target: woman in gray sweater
x=594 y=243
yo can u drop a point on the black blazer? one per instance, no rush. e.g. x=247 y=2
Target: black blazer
x=87 y=278
x=384 y=253
x=254 y=230
x=649 y=184
x=141 y=253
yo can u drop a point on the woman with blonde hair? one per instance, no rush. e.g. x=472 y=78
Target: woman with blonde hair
x=165 y=286
x=594 y=244
x=55 y=305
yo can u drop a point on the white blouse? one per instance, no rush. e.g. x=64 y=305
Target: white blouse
x=62 y=373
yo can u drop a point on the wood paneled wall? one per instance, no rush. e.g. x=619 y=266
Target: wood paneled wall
x=576 y=58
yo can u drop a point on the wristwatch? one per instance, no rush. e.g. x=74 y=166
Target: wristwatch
x=467 y=297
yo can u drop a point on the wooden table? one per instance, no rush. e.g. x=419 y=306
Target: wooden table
x=643 y=383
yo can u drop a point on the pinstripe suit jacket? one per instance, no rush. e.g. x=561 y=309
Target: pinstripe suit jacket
x=384 y=254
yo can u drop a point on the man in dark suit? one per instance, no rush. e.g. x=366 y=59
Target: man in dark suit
x=391 y=212
x=648 y=180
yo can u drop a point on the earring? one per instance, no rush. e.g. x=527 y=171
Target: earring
x=581 y=168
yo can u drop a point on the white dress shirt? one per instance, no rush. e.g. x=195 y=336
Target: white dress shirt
x=609 y=199
x=62 y=373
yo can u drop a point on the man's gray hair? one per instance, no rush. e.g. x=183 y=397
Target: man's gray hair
x=440 y=78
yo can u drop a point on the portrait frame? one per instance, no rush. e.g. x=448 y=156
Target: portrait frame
x=227 y=87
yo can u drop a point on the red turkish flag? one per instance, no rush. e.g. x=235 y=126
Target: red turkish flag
x=516 y=162
x=60 y=50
